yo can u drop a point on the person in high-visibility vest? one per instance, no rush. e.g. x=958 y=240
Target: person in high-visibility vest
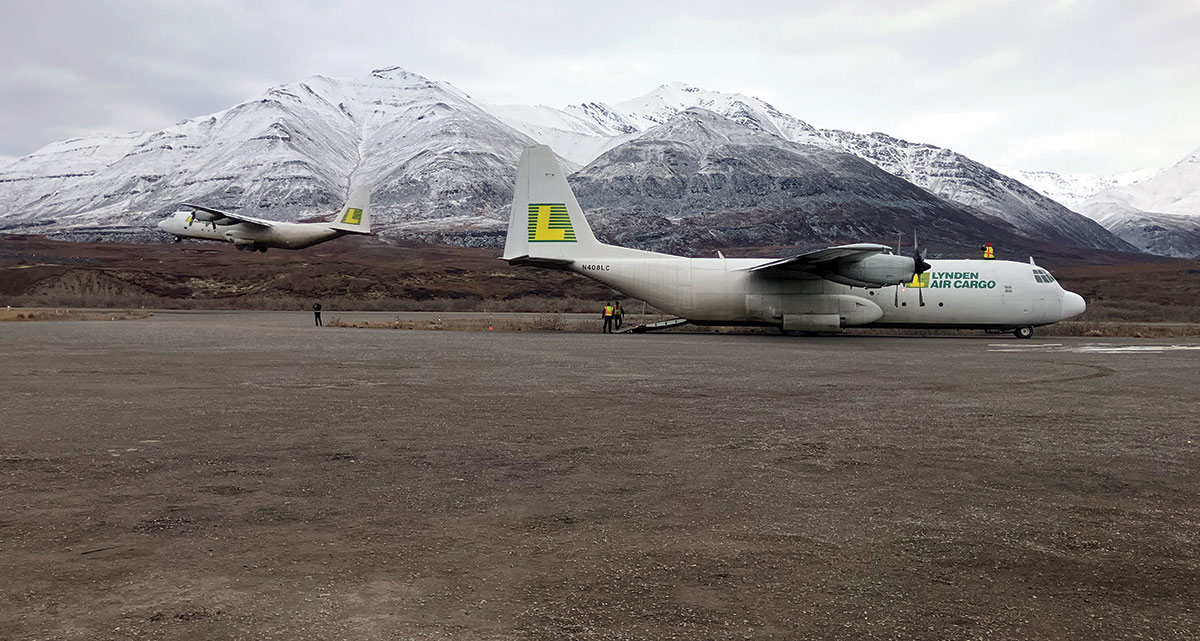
x=608 y=319
x=988 y=253
x=618 y=315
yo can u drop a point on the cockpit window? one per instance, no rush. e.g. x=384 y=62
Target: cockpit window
x=1042 y=276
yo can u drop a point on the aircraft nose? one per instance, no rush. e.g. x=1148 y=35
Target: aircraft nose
x=162 y=224
x=1072 y=305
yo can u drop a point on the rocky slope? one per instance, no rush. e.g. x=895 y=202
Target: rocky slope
x=701 y=180
x=1174 y=235
x=962 y=180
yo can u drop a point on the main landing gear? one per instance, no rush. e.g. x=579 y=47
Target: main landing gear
x=1023 y=332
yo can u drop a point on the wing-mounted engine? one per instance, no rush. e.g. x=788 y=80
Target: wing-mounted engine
x=877 y=270
x=857 y=265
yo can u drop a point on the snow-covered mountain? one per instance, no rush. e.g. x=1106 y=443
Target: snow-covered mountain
x=942 y=171
x=582 y=132
x=1175 y=190
x=427 y=149
x=1159 y=215
x=440 y=165
x=673 y=188
x=1071 y=190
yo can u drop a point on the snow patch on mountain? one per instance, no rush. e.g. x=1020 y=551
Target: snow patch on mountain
x=575 y=138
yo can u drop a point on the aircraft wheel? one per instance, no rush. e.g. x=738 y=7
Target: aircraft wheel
x=1023 y=332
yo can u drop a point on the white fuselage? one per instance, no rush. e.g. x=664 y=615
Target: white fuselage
x=282 y=235
x=960 y=293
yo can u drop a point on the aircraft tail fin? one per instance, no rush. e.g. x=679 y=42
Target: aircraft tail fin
x=546 y=224
x=355 y=217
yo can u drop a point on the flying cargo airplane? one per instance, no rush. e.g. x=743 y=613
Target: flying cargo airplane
x=257 y=234
x=859 y=285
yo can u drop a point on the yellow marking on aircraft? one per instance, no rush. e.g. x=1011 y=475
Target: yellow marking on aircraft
x=550 y=223
x=919 y=280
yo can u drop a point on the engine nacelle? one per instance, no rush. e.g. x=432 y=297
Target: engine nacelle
x=876 y=270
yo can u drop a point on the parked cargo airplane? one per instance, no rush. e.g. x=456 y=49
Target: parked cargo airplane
x=257 y=234
x=860 y=285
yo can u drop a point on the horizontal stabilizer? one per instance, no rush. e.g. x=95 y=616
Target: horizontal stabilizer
x=529 y=261
x=649 y=327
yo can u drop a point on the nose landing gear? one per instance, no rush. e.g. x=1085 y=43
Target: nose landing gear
x=1023 y=332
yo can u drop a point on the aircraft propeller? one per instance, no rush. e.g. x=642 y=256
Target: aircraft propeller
x=919 y=266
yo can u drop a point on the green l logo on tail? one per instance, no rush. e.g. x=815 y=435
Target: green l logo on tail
x=353 y=216
x=550 y=223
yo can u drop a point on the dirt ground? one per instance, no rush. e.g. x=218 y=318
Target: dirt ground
x=224 y=475
x=365 y=273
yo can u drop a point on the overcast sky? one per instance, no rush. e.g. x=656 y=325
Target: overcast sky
x=1066 y=85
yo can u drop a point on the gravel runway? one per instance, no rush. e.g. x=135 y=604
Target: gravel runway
x=242 y=475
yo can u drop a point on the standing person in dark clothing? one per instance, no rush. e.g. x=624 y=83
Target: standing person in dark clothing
x=618 y=315
x=317 y=313
x=608 y=318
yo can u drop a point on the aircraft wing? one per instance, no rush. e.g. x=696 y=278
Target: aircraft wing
x=216 y=215
x=818 y=262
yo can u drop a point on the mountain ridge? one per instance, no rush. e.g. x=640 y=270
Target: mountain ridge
x=439 y=162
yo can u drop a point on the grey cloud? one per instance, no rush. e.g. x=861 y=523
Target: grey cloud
x=1074 y=86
